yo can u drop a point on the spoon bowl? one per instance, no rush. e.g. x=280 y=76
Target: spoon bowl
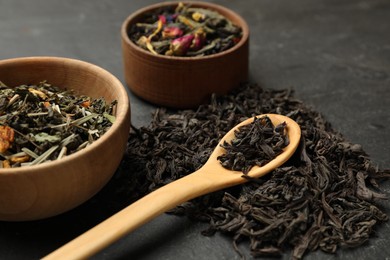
x=209 y=178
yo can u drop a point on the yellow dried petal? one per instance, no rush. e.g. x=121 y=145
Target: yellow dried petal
x=191 y=24
x=37 y=93
x=179 y=7
x=159 y=27
x=198 y=16
x=150 y=48
x=20 y=159
x=6 y=164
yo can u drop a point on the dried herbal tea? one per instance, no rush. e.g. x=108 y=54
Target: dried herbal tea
x=254 y=144
x=41 y=123
x=185 y=31
x=324 y=198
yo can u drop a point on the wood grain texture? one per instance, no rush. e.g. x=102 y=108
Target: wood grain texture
x=211 y=177
x=41 y=191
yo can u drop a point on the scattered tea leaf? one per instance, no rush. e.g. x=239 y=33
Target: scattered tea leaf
x=110 y=118
x=45 y=137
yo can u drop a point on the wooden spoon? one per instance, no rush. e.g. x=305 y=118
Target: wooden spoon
x=211 y=177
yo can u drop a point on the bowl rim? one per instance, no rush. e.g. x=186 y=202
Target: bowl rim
x=121 y=118
x=242 y=23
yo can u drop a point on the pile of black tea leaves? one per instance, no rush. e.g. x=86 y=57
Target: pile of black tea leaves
x=254 y=144
x=326 y=197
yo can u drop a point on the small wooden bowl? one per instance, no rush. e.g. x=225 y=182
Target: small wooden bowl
x=51 y=188
x=184 y=82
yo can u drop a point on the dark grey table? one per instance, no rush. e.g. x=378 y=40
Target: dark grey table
x=335 y=54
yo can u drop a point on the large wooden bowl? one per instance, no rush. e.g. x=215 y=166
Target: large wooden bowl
x=184 y=82
x=41 y=191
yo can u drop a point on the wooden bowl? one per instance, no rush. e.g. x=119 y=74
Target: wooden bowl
x=184 y=82
x=51 y=188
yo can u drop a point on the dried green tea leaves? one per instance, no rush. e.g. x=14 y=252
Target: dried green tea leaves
x=254 y=144
x=41 y=122
x=185 y=31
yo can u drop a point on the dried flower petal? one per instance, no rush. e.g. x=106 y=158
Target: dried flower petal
x=172 y=32
x=20 y=159
x=199 y=39
x=6 y=164
x=144 y=42
x=86 y=103
x=46 y=104
x=179 y=7
x=6 y=138
x=199 y=17
x=38 y=93
x=190 y=23
x=159 y=27
x=162 y=18
x=180 y=46
x=236 y=40
x=171 y=18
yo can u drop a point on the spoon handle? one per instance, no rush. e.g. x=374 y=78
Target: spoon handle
x=211 y=177
x=135 y=215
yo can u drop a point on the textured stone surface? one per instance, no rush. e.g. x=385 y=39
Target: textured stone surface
x=335 y=54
